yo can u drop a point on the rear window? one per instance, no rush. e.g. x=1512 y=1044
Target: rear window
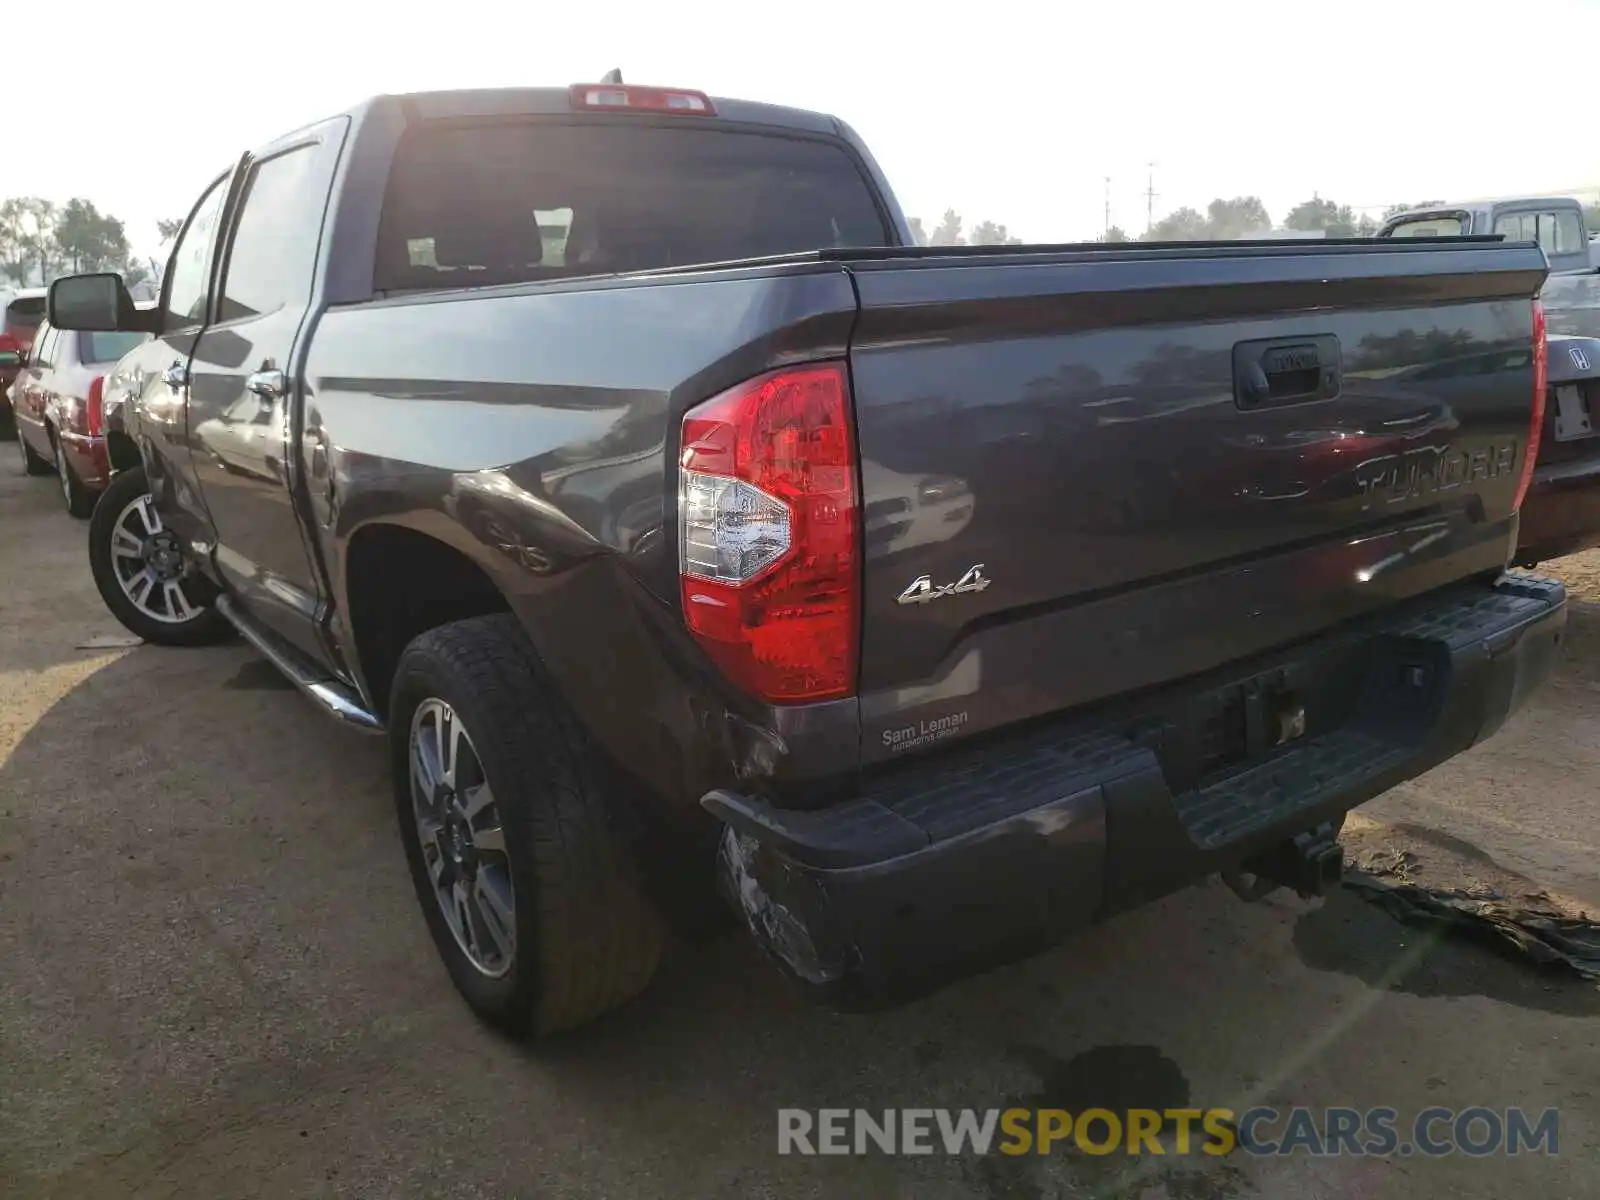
x=513 y=201
x=107 y=347
x=25 y=313
x=1443 y=226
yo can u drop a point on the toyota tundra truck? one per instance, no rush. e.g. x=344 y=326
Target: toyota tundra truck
x=686 y=530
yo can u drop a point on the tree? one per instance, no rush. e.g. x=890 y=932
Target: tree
x=1394 y=210
x=167 y=228
x=14 y=262
x=1591 y=217
x=89 y=239
x=1366 y=226
x=1185 y=225
x=27 y=238
x=987 y=233
x=1310 y=216
x=1237 y=218
x=1114 y=234
x=949 y=231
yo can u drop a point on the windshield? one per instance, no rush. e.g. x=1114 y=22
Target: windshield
x=511 y=201
x=1443 y=225
x=107 y=347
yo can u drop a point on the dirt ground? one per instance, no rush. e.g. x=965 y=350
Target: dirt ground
x=214 y=981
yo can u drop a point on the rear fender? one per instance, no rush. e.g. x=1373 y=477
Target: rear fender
x=600 y=635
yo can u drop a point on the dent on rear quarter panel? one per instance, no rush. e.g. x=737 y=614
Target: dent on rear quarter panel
x=535 y=430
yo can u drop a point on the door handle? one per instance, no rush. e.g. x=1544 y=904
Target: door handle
x=176 y=376
x=1277 y=371
x=269 y=385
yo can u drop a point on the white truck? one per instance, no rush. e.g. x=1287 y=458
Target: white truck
x=1571 y=294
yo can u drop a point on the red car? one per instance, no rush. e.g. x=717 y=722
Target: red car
x=22 y=312
x=58 y=403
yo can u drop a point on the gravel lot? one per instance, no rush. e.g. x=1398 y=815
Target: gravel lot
x=214 y=981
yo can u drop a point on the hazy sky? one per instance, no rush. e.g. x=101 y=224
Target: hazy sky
x=1008 y=111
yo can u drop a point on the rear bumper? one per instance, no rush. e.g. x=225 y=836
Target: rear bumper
x=984 y=854
x=1561 y=514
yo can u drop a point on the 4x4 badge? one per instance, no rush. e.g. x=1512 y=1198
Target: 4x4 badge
x=924 y=590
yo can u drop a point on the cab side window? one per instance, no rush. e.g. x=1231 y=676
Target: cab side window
x=1561 y=233
x=1517 y=227
x=273 y=253
x=189 y=269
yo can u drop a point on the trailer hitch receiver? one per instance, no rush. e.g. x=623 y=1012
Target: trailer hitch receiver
x=1311 y=864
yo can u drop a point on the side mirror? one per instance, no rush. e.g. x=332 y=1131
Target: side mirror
x=96 y=303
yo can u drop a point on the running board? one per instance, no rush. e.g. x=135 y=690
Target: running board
x=335 y=697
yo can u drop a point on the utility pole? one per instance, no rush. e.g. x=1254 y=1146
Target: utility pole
x=1108 y=204
x=1150 y=200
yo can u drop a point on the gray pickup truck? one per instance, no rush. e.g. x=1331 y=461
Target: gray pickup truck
x=613 y=453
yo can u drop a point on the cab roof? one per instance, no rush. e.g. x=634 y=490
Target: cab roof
x=558 y=101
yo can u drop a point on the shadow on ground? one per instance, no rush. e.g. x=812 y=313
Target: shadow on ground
x=226 y=989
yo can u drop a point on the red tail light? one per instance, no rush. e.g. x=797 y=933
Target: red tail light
x=1541 y=383
x=94 y=412
x=768 y=546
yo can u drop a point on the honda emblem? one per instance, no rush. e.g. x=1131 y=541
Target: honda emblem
x=1580 y=360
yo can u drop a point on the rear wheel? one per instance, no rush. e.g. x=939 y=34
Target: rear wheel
x=527 y=892
x=31 y=462
x=80 y=500
x=142 y=572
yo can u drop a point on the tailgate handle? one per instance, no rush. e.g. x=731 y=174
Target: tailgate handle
x=1286 y=371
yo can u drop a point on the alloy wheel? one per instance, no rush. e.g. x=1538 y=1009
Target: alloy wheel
x=463 y=842
x=150 y=564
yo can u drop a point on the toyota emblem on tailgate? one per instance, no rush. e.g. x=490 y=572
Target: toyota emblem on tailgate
x=1579 y=358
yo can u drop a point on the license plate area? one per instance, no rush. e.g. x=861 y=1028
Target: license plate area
x=1388 y=684
x=1214 y=733
x=1572 y=413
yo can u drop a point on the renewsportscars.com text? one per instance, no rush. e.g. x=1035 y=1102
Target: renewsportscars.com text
x=1316 y=1132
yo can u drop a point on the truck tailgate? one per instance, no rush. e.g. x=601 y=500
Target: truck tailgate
x=1085 y=472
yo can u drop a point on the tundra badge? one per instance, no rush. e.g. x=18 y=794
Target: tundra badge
x=923 y=590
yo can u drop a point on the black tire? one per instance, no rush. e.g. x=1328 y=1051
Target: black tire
x=79 y=499
x=205 y=627
x=32 y=464
x=587 y=937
